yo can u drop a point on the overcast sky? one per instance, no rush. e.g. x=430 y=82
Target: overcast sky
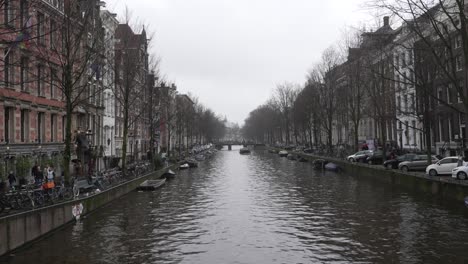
x=232 y=53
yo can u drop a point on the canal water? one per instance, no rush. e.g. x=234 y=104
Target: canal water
x=261 y=208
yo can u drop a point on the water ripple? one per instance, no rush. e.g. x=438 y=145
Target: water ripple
x=262 y=209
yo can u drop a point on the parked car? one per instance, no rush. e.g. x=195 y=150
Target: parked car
x=393 y=163
x=443 y=166
x=419 y=162
x=308 y=150
x=359 y=156
x=376 y=157
x=460 y=172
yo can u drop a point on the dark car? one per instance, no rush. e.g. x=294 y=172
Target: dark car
x=376 y=157
x=393 y=163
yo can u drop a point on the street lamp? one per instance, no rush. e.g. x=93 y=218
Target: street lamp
x=6 y=159
x=39 y=151
x=89 y=136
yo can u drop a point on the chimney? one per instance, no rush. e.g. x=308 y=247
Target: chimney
x=386 y=21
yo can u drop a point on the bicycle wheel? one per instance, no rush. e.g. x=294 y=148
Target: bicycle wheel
x=76 y=192
x=12 y=200
x=67 y=193
x=26 y=201
x=38 y=198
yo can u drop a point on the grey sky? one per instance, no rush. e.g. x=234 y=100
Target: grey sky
x=232 y=53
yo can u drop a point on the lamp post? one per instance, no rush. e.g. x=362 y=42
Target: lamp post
x=6 y=159
x=89 y=136
x=39 y=151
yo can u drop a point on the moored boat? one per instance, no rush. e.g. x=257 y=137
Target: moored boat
x=151 y=185
x=319 y=164
x=192 y=163
x=200 y=157
x=168 y=175
x=184 y=166
x=302 y=159
x=466 y=201
x=291 y=157
x=244 y=151
x=283 y=153
x=331 y=166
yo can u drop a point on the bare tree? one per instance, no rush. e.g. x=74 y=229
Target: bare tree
x=439 y=28
x=284 y=97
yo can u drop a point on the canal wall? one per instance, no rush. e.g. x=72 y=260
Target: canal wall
x=20 y=229
x=445 y=186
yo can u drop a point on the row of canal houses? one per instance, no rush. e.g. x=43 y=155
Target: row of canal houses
x=405 y=87
x=35 y=44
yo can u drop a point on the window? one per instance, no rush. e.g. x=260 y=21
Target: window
x=24 y=73
x=448 y=161
x=458 y=41
x=8 y=9
x=9 y=124
x=53 y=128
x=410 y=57
x=8 y=70
x=40 y=28
x=397 y=62
x=451 y=128
x=40 y=80
x=403 y=60
x=24 y=17
x=52 y=34
x=53 y=83
x=439 y=96
x=459 y=96
x=405 y=101
x=40 y=127
x=407 y=132
x=413 y=103
x=458 y=63
x=449 y=94
x=24 y=125
x=413 y=124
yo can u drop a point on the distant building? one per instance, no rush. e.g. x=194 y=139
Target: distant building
x=110 y=24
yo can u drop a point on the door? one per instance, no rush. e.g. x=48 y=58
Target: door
x=420 y=162
x=447 y=165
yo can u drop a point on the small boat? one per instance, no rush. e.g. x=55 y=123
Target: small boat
x=283 y=153
x=244 y=151
x=184 y=166
x=319 y=164
x=332 y=166
x=168 y=175
x=272 y=151
x=302 y=159
x=192 y=163
x=151 y=185
x=466 y=201
x=291 y=157
x=200 y=157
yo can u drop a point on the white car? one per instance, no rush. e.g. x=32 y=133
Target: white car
x=443 y=166
x=460 y=173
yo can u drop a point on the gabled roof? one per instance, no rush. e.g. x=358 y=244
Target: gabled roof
x=128 y=38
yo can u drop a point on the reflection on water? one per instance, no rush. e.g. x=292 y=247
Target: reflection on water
x=260 y=208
